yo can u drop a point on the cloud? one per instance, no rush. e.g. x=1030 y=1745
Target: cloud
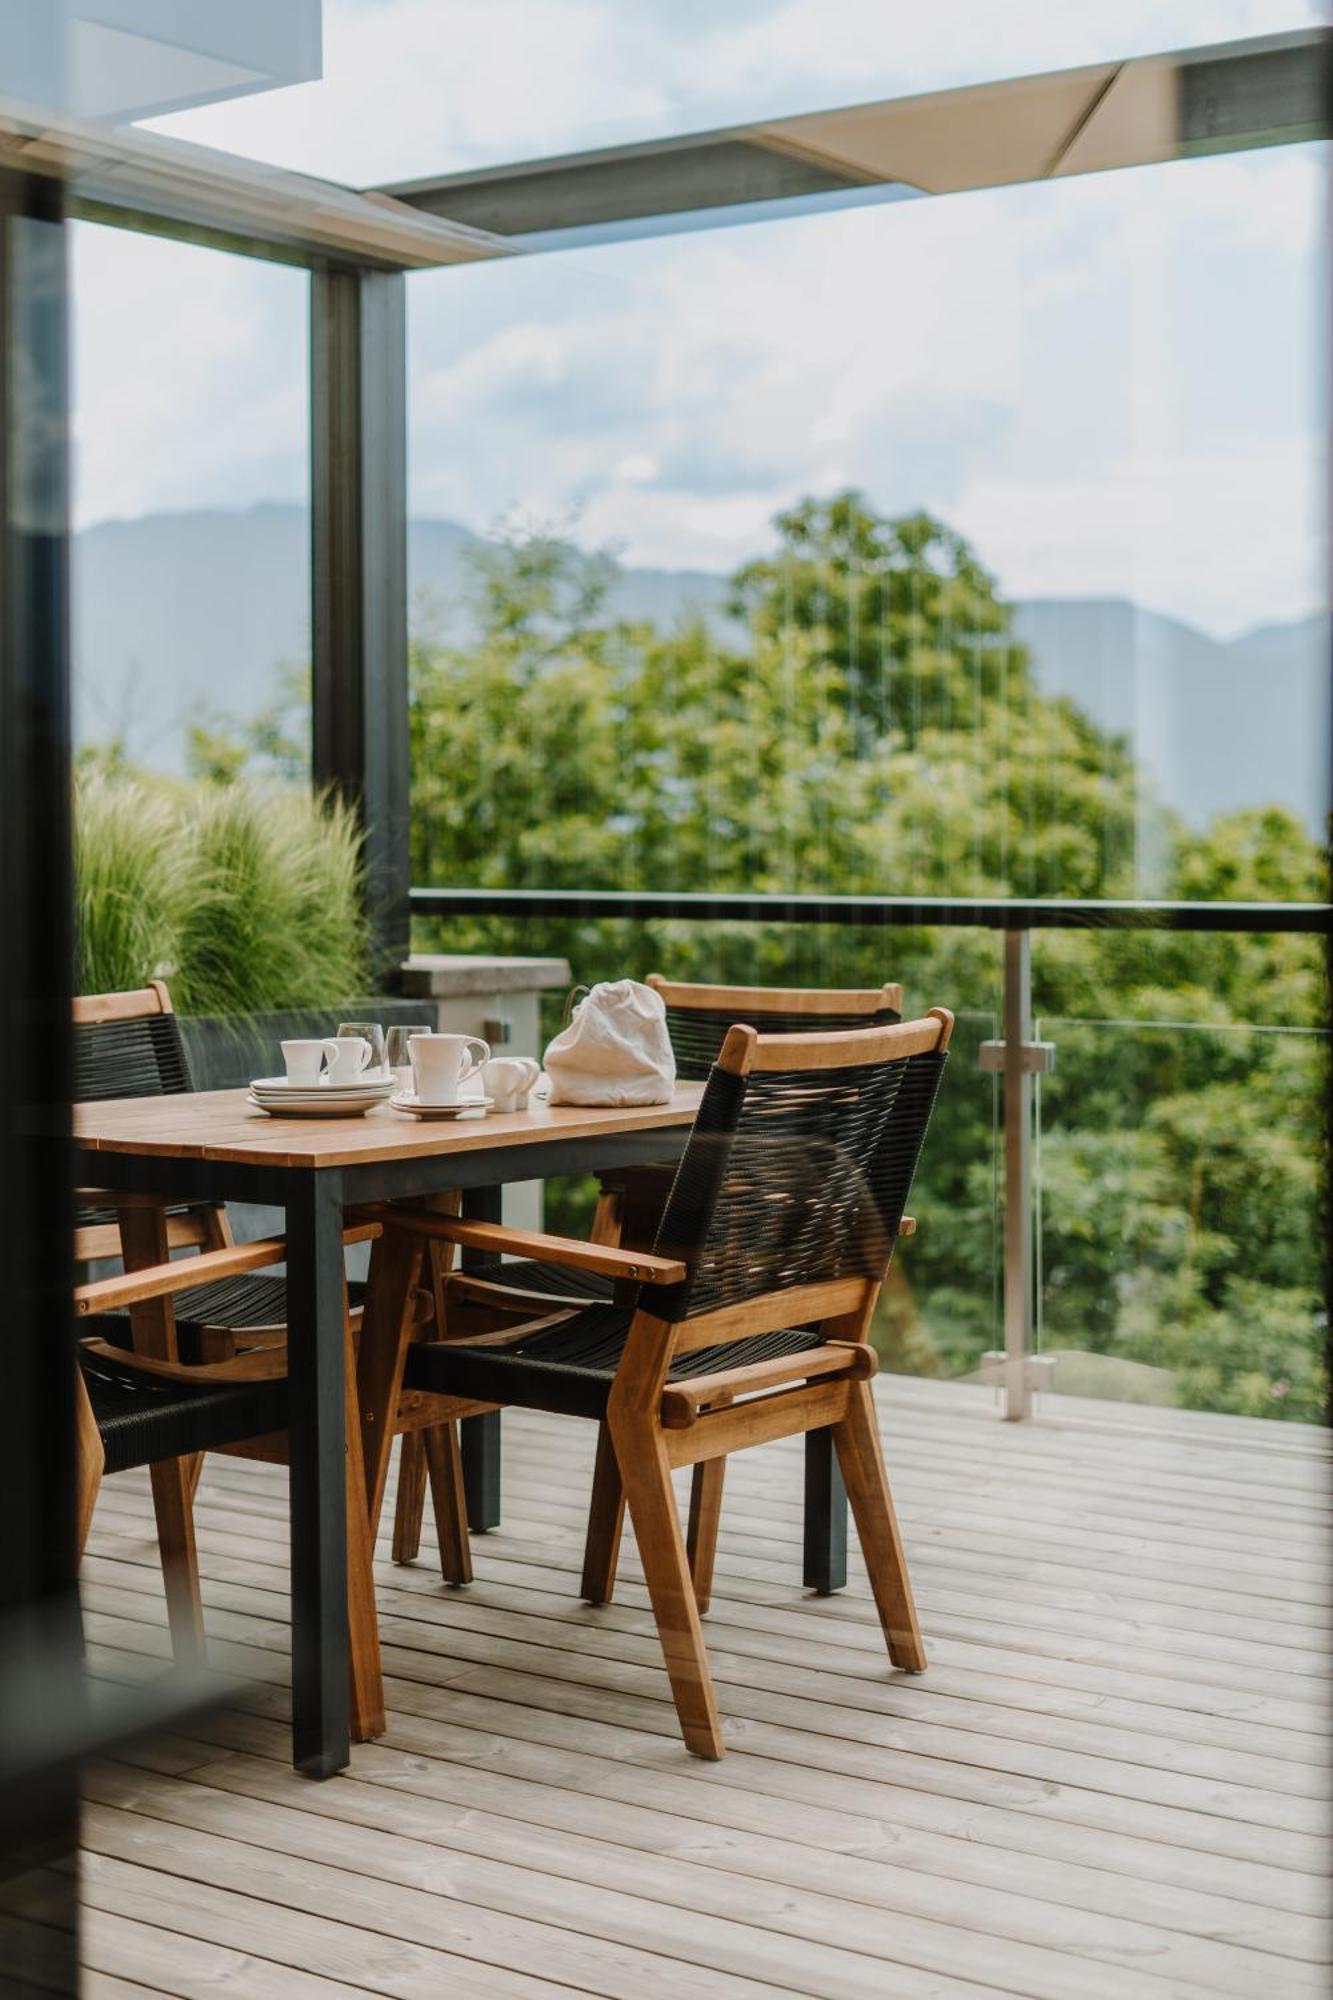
x=415 y=87
x=1039 y=364
x=1224 y=538
x=189 y=376
x=1027 y=362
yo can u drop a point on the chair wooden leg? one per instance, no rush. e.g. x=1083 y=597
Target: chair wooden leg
x=367 y=1717
x=90 y=1458
x=652 y=1506
x=607 y=1218
x=705 y=1515
x=444 y=1460
x=861 y=1457
x=386 y=1327
x=180 y=1563
x=606 y=1519
x=410 y=1506
x=411 y=1502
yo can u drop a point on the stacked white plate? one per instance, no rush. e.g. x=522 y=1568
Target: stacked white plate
x=283 y=1099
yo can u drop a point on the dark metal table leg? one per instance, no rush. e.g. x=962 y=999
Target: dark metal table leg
x=825 y=1516
x=480 y=1436
x=320 y=1741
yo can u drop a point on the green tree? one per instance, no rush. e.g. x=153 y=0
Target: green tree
x=865 y=721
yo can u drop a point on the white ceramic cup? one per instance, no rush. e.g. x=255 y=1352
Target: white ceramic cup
x=508 y=1079
x=305 y=1060
x=350 y=1055
x=440 y=1064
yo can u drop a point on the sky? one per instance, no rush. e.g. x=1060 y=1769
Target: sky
x=1112 y=385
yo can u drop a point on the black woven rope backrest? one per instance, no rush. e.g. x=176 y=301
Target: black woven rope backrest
x=138 y=1058
x=793 y=1177
x=141 y=1057
x=697 y=1033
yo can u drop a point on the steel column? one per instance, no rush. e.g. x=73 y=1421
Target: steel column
x=317 y=1471
x=358 y=483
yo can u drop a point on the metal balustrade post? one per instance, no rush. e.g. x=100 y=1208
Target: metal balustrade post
x=1017 y=1058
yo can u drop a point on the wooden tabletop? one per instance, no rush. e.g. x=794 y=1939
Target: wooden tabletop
x=225 y=1125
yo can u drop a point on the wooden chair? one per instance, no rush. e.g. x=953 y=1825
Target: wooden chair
x=629 y=1209
x=185 y=1339
x=139 y=1409
x=129 y=1045
x=750 y=1321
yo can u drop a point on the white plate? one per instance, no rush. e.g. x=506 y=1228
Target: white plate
x=408 y=1101
x=281 y=1087
x=328 y=1104
x=325 y=1101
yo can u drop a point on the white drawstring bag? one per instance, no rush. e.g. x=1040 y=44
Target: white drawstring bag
x=614 y=1049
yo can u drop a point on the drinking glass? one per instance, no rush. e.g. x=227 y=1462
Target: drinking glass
x=399 y=1055
x=372 y=1032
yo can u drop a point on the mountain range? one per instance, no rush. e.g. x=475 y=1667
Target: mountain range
x=176 y=611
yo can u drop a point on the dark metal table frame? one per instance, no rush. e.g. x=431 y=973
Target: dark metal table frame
x=314 y=1199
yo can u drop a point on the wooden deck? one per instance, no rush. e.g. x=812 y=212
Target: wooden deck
x=1112 y=1783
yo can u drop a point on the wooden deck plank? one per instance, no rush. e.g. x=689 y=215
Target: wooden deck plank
x=838 y=1853
x=1283 y=1761
x=1113 y=1771
x=492 y=1861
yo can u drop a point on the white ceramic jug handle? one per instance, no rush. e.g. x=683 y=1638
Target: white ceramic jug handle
x=534 y=1070
x=331 y=1052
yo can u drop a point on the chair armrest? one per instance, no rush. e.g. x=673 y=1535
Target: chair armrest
x=158 y=1281
x=682 y=1401
x=602 y=1258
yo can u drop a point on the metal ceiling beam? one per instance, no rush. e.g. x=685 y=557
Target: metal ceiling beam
x=1271 y=90
x=144 y=180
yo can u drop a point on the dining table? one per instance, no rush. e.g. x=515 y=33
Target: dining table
x=216 y=1146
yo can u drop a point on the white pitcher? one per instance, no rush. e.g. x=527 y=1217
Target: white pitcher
x=508 y=1079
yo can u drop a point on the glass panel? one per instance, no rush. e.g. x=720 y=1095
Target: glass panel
x=598 y=72
x=931 y=548
x=191 y=566
x=1178 y=1192
x=941 y=1306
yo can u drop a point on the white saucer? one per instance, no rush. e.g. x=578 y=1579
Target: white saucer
x=408 y=1101
x=282 y=1086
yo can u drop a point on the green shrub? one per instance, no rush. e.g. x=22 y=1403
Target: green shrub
x=129 y=880
x=245 y=898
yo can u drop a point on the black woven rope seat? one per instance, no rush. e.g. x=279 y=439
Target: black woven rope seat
x=569 y=1368
x=552 y=1281
x=244 y=1304
x=140 y=1422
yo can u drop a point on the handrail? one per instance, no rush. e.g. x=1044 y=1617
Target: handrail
x=1003 y=913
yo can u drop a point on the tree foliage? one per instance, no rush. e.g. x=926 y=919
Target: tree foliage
x=863 y=720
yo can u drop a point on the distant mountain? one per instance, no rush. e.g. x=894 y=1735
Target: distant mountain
x=1217 y=724
x=172 y=611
